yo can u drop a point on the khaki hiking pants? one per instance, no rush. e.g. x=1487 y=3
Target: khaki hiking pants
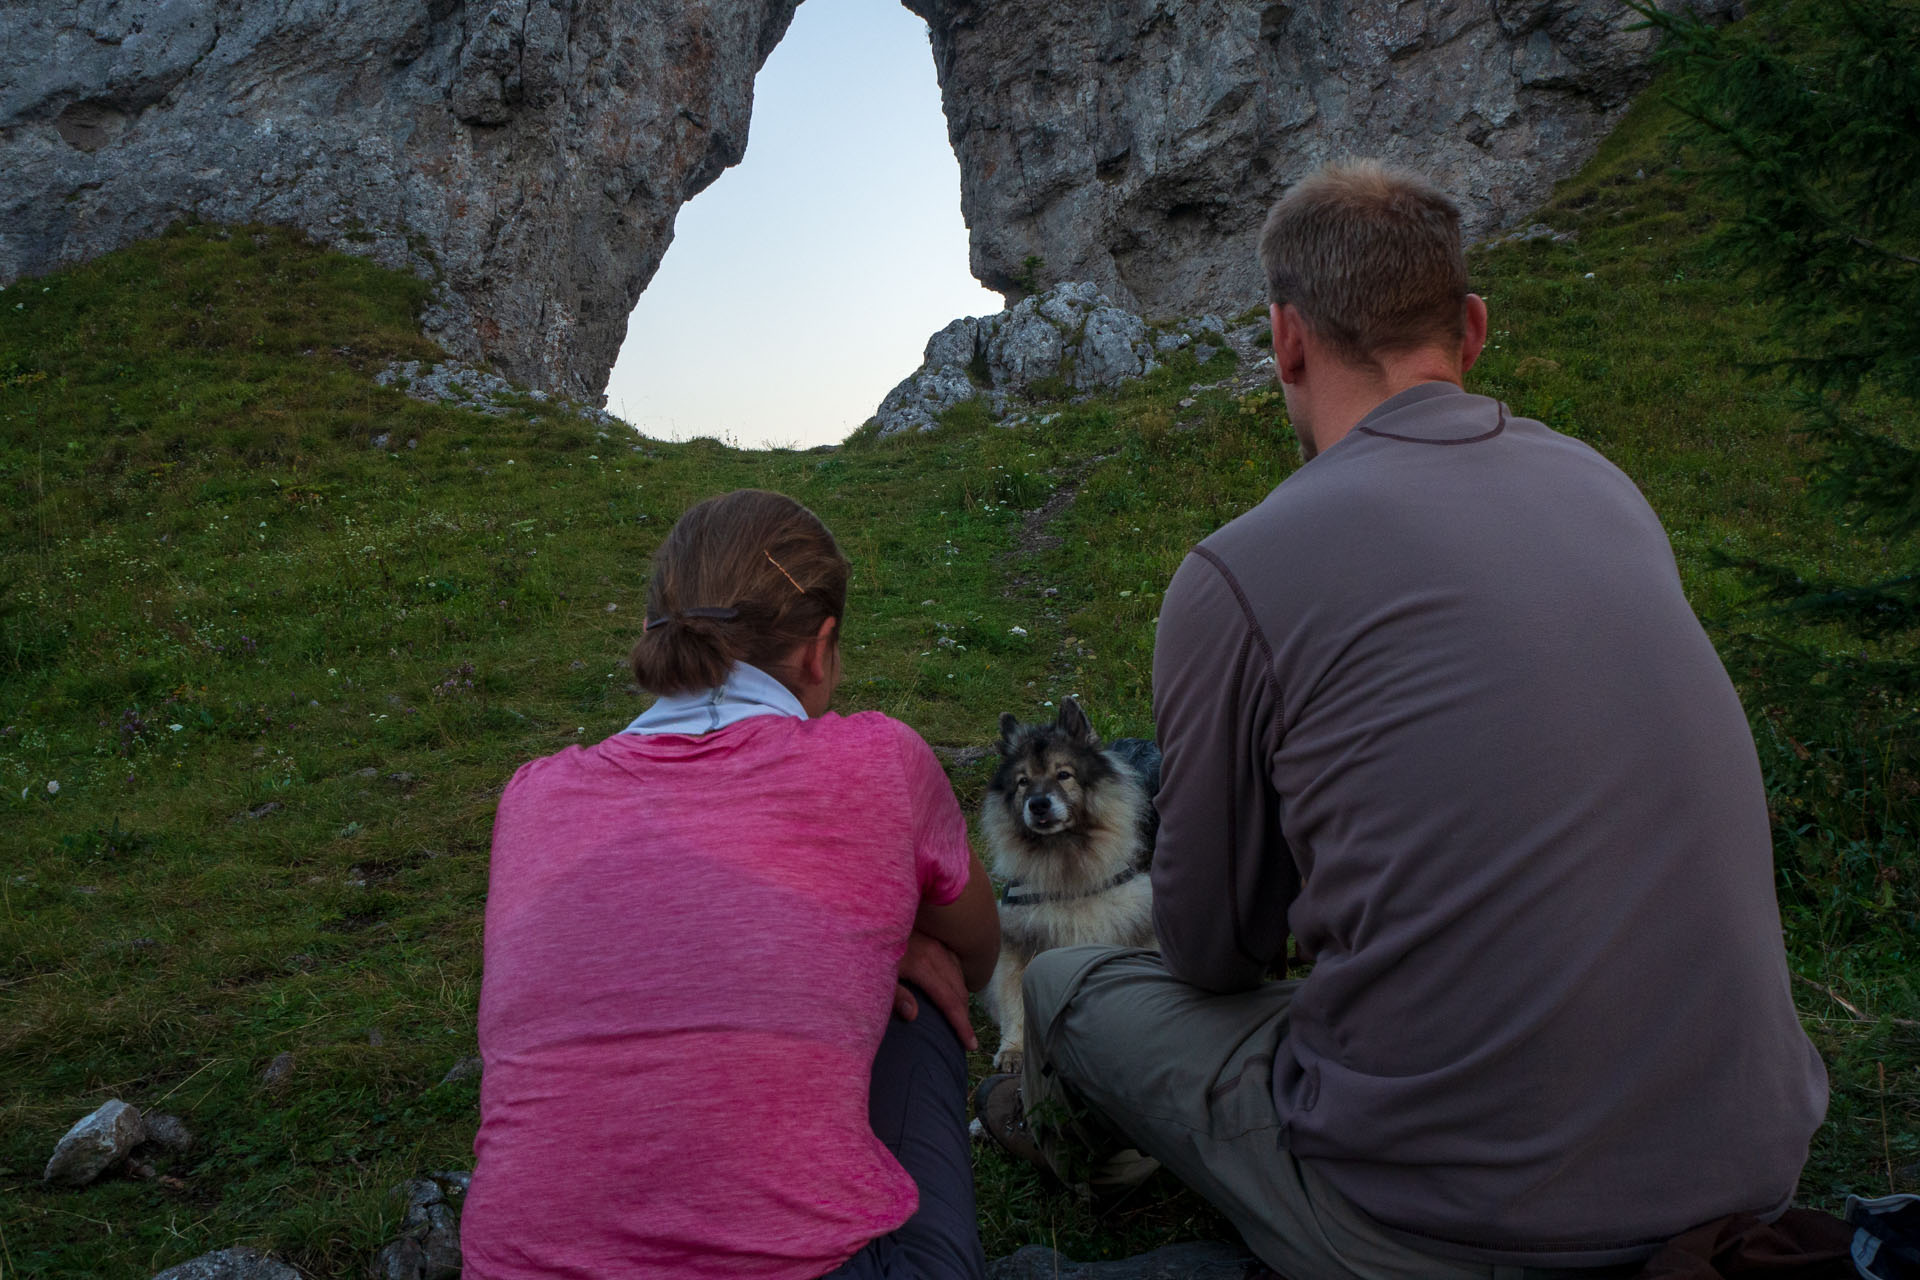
x=1120 y=1053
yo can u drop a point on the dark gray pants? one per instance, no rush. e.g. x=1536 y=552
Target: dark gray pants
x=917 y=1104
x=1187 y=1077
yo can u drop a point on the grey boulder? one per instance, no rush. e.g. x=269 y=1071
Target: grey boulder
x=428 y=1247
x=231 y=1264
x=95 y=1144
x=1072 y=333
x=168 y=1132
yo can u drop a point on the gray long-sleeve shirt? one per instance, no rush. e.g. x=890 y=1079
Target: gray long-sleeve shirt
x=1439 y=708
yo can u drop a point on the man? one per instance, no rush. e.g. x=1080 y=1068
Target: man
x=1438 y=709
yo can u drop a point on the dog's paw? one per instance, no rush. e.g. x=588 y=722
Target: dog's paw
x=1010 y=1058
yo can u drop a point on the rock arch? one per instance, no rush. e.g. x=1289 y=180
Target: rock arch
x=531 y=154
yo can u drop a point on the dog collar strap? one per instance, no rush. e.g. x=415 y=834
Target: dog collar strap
x=1014 y=896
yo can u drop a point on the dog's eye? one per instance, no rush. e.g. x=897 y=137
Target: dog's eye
x=1065 y=775
x=1020 y=784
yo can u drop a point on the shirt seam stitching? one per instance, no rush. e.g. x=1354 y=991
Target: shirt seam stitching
x=1499 y=426
x=1258 y=636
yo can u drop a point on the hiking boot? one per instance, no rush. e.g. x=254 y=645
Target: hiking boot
x=1001 y=1107
x=1003 y=1115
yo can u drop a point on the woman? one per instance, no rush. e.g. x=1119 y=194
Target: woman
x=692 y=935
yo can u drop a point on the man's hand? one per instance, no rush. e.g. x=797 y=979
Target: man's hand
x=930 y=965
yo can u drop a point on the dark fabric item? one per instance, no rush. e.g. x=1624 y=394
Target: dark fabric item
x=1144 y=755
x=1801 y=1244
x=1886 y=1242
x=1439 y=709
x=918 y=1105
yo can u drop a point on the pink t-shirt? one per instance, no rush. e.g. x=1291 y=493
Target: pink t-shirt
x=690 y=954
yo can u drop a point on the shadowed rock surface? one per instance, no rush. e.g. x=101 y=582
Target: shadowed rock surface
x=530 y=155
x=428 y=1247
x=1069 y=335
x=1138 y=144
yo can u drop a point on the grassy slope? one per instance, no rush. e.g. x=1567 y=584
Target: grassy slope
x=215 y=595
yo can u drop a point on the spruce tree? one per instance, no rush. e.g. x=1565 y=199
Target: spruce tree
x=1806 y=116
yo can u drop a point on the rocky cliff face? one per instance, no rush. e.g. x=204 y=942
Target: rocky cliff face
x=530 y=153
x=1138 y=143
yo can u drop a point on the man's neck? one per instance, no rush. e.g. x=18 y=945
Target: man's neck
x=1351 y=392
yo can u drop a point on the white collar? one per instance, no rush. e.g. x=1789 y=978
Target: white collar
x=747 y=692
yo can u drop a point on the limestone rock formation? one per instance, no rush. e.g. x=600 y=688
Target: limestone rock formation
x=1137 y=144
x=531 y=154
x=1071 y=335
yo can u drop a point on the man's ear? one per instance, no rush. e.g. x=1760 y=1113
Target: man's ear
x=1289 y=342
x=1473 y=330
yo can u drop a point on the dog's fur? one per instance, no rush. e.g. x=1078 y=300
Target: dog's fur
x=1063 y=820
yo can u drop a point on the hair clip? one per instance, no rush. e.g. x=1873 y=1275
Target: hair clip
x=783 y=570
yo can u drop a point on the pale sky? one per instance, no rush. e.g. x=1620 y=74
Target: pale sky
x=804 y=283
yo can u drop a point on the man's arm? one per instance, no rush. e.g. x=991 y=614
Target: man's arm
x=1223 y=876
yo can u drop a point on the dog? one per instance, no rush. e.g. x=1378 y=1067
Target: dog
x=1069 y=828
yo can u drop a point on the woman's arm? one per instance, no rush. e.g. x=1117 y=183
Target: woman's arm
x=969 y=926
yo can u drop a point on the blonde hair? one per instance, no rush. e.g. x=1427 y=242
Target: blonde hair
x=744 y=577
x=1371 y=257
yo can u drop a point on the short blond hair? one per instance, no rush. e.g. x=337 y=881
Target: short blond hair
x=1371 y=257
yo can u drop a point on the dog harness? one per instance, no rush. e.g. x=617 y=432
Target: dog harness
x=1011 y=896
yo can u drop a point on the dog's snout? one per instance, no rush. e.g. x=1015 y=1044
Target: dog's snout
x=1039 y=804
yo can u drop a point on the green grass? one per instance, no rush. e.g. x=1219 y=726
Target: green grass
x=217 y=596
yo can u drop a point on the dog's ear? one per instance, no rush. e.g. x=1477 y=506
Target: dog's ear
x=1074 y=723
x=1008 y=727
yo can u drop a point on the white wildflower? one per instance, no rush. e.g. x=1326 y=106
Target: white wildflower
x=175 y=728
x=1016 y=631
x=53 y=788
